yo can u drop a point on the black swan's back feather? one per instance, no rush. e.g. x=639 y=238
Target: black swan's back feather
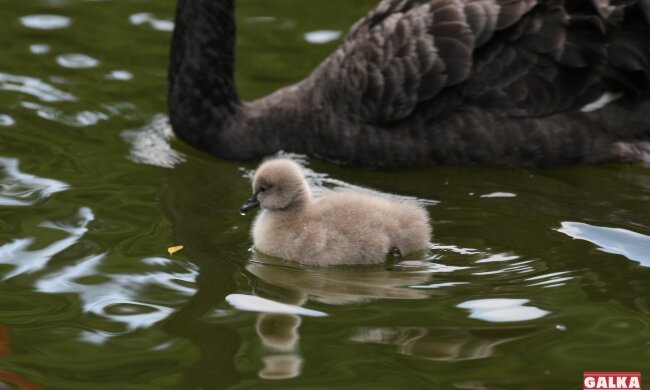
x=421 y=82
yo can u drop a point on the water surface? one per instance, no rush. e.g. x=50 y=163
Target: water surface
x=533 y=277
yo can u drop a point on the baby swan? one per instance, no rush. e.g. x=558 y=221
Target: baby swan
x=338 y=228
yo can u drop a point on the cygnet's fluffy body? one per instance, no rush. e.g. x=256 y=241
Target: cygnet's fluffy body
x=338 y=228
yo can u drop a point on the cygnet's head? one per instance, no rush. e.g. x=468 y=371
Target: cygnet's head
x=278 y=185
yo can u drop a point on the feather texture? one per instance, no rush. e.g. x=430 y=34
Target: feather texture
x=419 y=82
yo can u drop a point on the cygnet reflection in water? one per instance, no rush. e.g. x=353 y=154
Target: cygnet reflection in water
x=339 y=228
x=338 y=285
x=274 y=279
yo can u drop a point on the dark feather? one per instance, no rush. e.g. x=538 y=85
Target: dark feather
x=431 y=81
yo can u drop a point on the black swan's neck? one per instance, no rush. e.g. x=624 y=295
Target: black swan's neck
x=202 y=94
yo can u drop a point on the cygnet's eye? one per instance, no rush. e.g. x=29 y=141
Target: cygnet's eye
x=262 y=189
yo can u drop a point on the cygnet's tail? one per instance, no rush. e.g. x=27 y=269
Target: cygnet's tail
x=415 y=229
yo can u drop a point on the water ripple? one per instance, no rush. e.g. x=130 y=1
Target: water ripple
x=502 y=310
x=499 y=195
x=320 y=37
x=498 y=257
x=119 y=297
x=443 y=343
x=347 y=285
x=45 y=22
x=22 y=189
x=17 y=252
x=6 y=120
x=35 y=87
x=634 y=246
x=120 y=75
x=76 y=61
x=147 y=18
x=150 y=144
x=79 y=119
x=520 y=267
x=554 y=279
x=263 y=305
x=39 y=48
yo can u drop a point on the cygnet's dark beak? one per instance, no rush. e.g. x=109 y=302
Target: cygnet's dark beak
x=250 y=204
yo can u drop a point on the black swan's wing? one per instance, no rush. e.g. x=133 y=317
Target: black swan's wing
x=522 y=57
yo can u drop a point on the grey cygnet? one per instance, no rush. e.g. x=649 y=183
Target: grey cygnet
x=338 y=228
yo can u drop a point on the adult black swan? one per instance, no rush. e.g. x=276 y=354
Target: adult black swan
x=419 y=82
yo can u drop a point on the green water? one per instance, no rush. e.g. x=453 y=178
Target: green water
x=545 y=277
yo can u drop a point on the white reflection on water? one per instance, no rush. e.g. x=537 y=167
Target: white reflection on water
x=521 y=267
x=35 y=87
x=119 y=296
x=39 y=48
x=147 y=18
x=499 y=195
x=25 y=261
x=76 y=61
x=263 y=305
x=79 y=119
x=550 y=280
x=502 y=310
x=634 y=246
x=22 y=189
x=498 y=258
x=45 y=22
x=6 y=120
x=320 y=37
x=454 y=249
x=151 y=144
x=121 y=75
x=440 y=285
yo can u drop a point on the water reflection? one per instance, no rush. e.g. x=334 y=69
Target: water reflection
x=23 y=189
x=217 y=344
x=503 y=310
x=151 y=144
x=279 y=333
x=119 y=297
x=121 y=75
x=33 y=86
x=39 y=48
x=24 y=260
x=6 y=120
x=252 y=303
x=632 y=245
x=76 y=61
x=79 y=119
x=278 y=281
x=45 y=22
x=444 y=343
x=320 y=37
x=147 y=18
x=339 y=286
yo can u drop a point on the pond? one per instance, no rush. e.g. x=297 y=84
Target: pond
x=533 y=276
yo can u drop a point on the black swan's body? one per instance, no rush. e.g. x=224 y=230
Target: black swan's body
x=420 y=82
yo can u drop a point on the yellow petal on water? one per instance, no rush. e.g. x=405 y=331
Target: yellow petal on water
x=174 y=249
